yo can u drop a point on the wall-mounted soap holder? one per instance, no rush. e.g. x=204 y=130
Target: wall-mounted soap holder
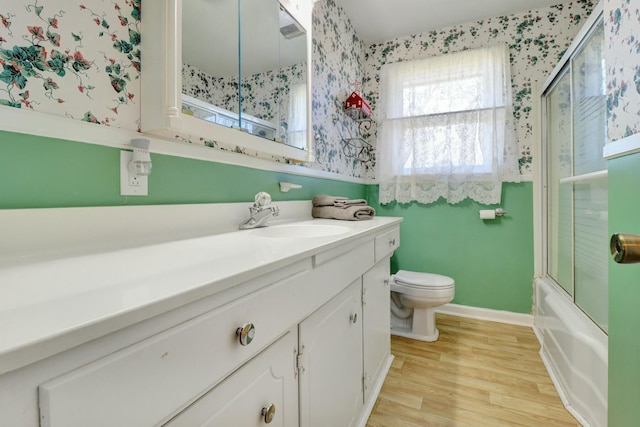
x=286 y=186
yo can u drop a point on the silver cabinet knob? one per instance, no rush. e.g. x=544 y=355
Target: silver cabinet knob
x=245 y=333
x=386 y=282
x=268 y=413
x=353 y=318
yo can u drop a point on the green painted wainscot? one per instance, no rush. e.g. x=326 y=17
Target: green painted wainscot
x=624 y=296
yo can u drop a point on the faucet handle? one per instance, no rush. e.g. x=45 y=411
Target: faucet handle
x=262 y=199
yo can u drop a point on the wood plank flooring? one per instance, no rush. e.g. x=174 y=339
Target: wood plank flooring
x=478 y=373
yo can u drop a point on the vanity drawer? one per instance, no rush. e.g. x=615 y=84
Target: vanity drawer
x=267 y=381
x=386 y=243
x=144 y=384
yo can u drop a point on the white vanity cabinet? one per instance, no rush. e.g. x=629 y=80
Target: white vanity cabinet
x=341 y=357
x=331 y=361
x=376 y=316
x=318 y=354
x=345 y=346
x=147 y=382
x=375 y=324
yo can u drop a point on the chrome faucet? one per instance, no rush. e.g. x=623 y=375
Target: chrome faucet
x=261 y=211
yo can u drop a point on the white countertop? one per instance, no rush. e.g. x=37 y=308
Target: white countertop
x=51 y=303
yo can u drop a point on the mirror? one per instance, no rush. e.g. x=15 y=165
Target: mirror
x=244 y=65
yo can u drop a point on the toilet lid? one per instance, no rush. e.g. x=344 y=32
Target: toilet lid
x=423 y=280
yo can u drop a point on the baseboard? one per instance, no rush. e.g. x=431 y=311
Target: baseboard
x=538 y=334
x=368 y=407
x=501 y=316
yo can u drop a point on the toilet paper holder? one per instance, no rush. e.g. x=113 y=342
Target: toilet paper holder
x=500 y=212
x=492 y=213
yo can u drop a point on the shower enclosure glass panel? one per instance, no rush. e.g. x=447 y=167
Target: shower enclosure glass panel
x=590 y=194
x=576 y=179
x=592 y=250
x=589 y=106
x=560 y=196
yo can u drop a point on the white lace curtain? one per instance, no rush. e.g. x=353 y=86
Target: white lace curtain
x=445 y=128
x=297 y=116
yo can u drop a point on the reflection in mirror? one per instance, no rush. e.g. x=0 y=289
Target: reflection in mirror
x=273 y=64
x=264 y=89
x=210 y=68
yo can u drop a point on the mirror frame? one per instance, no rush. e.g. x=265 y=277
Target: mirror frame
x=161 y=105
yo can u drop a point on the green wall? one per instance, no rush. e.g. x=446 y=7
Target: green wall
x=491 y=261
x=624 y=296
x=37 y=172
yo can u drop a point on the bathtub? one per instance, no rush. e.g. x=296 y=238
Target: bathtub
x=574 y=351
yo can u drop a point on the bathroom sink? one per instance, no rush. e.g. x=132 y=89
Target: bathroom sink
x=293 y=231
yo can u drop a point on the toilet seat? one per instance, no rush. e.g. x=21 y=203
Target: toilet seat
x=415 y=280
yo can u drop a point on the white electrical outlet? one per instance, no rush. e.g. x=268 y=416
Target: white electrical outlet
x=131 y=185
x=134 y=180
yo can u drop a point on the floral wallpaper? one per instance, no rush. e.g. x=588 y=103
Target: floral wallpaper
x=264 y=95
x=82 y=60
x=536 y=39
x=219 y=91
x=622 y=59
x=79 y=60
x=338 y=56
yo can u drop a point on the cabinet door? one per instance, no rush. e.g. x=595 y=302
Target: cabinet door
x=268 y=379
x=331 y=361
x=375 y=323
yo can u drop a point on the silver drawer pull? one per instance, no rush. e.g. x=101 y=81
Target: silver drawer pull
x=353 y=318
x=392 y=242
x=386 y=282
x=268 y=413
x=245 y=333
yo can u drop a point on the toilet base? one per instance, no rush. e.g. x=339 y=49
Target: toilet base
x=408 y=334
x=421 y=325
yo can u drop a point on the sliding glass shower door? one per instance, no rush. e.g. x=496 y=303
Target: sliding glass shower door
x=576 y=179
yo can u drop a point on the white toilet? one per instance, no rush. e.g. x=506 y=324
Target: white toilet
x=414 y=297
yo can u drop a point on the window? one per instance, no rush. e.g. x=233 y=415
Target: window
x=297 y=116
x=445 y=128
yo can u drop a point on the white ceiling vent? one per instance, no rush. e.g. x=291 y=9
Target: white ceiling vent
x=289 y=27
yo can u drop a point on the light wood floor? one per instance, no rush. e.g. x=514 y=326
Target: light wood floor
x=478 y=373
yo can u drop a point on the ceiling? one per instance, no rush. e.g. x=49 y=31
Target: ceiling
x=210 y=28
x=381 y=20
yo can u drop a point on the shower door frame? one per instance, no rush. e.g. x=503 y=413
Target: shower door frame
x=541 y=213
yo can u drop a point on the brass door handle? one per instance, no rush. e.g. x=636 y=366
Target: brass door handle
x=625 y=248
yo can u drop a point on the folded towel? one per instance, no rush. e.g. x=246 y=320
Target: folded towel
x=351 y=202
x=337 y=201
x=324 y=200
x=350 y=213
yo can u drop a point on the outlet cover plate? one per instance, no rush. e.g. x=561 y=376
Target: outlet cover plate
x=131 y=185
